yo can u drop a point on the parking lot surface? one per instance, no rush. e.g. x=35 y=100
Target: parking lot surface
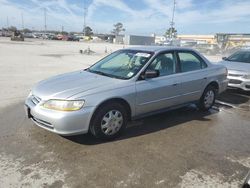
x=181 y=148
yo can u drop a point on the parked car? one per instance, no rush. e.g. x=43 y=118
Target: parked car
x=208 y=49
x=70 y=38
x=171 y=42
x=52 y=37
x=60 y=37
x=238 y=65
x=188 y=44
x=126 y=85
x=73 y=38
x=65 y=37
x=28 y=35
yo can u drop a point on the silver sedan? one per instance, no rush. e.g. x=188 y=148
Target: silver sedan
x=126 y=85
x=238 y=65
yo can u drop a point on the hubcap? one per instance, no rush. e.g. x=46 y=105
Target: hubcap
x=209 y=99
x=111 y=122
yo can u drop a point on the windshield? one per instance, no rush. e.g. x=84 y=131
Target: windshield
x=240 y=56
x=123 y=64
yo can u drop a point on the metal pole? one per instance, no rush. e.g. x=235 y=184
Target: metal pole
x=7 y=22
x=22 y=21
x=172 y=21
x=45 y=21
x=84 y=18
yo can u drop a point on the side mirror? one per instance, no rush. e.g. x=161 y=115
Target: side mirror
x=151 y=74
x=224 y=58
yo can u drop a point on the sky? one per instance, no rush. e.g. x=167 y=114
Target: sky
x=141 y=17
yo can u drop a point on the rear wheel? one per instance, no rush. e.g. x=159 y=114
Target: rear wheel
x=109 y=121
x=207 y=100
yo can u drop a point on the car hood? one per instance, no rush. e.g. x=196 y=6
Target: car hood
x=67 y=85
x=237 y=66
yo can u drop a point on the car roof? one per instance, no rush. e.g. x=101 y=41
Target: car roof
x=157 y=48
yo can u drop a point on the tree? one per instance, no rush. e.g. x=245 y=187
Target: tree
x=171 y=33
x=26 y=30
x=12 y=28
x=118 y=29
x=64 y=33
x=88 y=31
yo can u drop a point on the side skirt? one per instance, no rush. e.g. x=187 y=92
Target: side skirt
x=163 y=110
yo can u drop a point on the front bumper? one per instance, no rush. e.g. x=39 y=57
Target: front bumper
x=62 y=123
x=238 y=82
x=223 y=85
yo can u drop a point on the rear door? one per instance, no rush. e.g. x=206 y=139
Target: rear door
x=161 y=92
x=192 y=75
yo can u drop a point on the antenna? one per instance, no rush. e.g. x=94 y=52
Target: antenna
x=84 y=17
x=172 y=20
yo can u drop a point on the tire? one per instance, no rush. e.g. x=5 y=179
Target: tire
x=109 y=121
x=208 y=97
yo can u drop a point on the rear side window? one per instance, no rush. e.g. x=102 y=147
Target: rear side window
x=190 y=62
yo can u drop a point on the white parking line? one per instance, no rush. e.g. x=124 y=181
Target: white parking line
x=225 y=104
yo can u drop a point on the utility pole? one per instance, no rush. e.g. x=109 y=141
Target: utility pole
x=172 y=21
x=7 y=22
x=45 y=21
x=22 y=21
x=62 y=29
x=84 y=17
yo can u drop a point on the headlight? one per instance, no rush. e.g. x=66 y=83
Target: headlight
x=246 y=76
x=63 y=105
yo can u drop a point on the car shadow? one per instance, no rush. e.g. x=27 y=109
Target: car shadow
x=152 y=124
x=235 y=96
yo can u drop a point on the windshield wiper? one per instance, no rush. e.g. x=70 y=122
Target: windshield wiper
x=105 y=74
x=97 y=72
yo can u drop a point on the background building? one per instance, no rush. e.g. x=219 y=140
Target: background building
x=139 y=40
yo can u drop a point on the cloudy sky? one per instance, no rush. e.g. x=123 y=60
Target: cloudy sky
x=142 y=17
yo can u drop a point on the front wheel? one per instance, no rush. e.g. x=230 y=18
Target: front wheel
x=109 y=121
x=207 y=100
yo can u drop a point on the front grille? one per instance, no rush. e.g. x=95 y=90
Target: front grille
x=235 y=75
x=232 y=81
x=35 y=99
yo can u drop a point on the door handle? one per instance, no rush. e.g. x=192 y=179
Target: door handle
x=175 y=84
x=205 y=78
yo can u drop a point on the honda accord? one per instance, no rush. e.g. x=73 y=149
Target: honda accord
x=126 y=85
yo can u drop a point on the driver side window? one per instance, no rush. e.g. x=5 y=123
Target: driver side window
x=164 y=63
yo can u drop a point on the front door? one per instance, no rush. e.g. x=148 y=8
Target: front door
x=161 y=92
